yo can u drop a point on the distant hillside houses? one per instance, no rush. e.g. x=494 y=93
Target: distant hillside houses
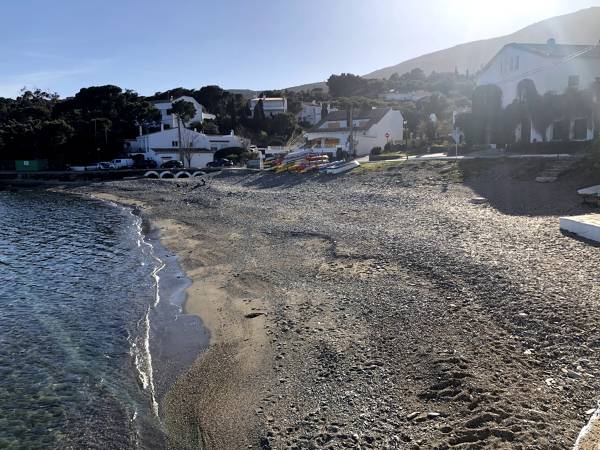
x=272 y=106
x=169 y=120
x=371 y=128
x=413 y=96
x=311 y=112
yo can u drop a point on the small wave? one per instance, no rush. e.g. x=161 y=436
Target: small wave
x=140 y=346
x=145 y=368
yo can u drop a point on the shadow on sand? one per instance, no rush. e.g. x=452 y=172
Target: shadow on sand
x=510 y=187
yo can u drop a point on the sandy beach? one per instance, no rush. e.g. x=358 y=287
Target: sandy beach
x=380 y=309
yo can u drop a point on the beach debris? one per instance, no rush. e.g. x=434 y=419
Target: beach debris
x=202 y=183
x=254 y=315
x=479 y=201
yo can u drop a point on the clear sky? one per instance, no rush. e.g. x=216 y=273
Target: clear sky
x=150 y=45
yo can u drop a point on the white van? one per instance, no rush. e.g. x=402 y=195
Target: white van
x=122 y=163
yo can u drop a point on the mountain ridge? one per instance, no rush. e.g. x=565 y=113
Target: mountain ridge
x=579 y=27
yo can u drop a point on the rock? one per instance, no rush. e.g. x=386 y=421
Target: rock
x=254 y=315
x=528 y=352
x=412 y=415
x=478 y=201
x=433 y=415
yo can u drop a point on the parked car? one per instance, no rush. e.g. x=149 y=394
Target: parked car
x=123 y=163
x=173 y=164
x=145 y=164
x=105 y=165
x=220 y=162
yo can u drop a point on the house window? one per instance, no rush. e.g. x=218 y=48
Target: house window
x=174 y=144
x=574 y=81
x=580 y=129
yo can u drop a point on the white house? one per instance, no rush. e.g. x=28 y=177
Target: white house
x=271 y=105
x=311 y=112
x=552 y=68
x=372 y=128
x=169 y=120
x=197 y=149
x=412 y=96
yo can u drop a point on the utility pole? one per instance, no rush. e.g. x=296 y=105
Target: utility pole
x=179 y=137
x=351 y=151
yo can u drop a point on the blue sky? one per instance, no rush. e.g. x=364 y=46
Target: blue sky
x=149 y=45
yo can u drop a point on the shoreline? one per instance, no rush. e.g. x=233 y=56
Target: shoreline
x=231 y=335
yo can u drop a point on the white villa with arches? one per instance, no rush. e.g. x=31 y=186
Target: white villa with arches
x=551 y=67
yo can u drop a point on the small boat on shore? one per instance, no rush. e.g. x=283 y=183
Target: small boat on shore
x=340 y=167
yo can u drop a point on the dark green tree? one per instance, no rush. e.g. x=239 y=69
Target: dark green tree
x=259 y=111
x=346 y=85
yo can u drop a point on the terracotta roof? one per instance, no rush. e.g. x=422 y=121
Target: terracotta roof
x=372 y=115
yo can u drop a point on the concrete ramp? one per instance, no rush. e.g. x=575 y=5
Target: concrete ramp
x=587 y=226
x=590 y=195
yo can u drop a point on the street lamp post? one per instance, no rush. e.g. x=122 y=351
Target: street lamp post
x=405 y=131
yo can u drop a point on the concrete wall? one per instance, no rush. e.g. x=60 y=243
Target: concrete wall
x=198 y=160
x=392 y=123
x=167 y=139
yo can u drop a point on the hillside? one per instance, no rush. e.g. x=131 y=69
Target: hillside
x=580 y=27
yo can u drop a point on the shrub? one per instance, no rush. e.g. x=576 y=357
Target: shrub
x=376 y=151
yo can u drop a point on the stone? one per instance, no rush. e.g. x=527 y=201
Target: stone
x=478 y=200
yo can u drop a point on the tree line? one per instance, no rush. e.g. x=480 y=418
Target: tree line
x=92 y=125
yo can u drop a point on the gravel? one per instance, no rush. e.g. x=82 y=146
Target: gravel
x=403 y=310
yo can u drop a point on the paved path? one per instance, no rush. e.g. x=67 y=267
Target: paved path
x=446 y=157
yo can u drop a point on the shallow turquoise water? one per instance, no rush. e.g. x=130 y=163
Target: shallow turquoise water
x=76 y=288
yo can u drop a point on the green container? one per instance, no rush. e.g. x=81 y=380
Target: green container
x=31 y=165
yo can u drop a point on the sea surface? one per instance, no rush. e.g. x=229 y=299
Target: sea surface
x=91 y=330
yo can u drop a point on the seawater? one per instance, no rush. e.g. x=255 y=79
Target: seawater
x=86 y=330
